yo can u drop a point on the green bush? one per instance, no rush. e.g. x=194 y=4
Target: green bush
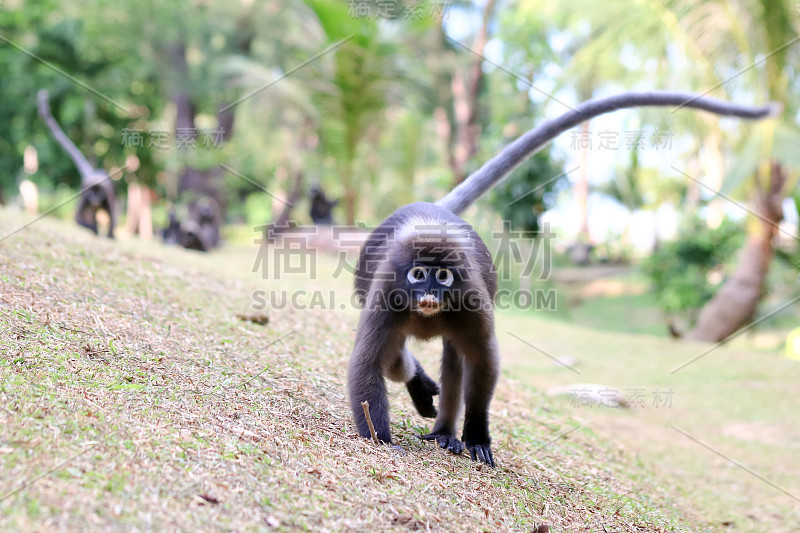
x=686 y=273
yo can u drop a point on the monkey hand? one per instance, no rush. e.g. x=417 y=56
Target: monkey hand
x=446 y=441
x=422 y=389
x=480 y=452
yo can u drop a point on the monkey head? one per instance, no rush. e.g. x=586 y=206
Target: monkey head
x=431 y=269
x=95 y=195
x=206 y=213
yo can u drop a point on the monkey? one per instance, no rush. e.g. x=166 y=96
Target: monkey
x=172 y=234
x=201 y=231
x=321 y=207
x=425 y=273
x=97 y=196
x=97 y=190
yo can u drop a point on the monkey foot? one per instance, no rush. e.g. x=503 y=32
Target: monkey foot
x=447 y=442
x=422 y=389
x=482 y=453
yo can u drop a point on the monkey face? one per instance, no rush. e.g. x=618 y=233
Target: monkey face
x=95 y=196
x=206 y=213
x=431 y=288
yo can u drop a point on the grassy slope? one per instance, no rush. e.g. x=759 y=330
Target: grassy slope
x=740 y=402
x=128 y=400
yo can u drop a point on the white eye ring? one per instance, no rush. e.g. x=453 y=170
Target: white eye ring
x=444 y=277
x=417 y=274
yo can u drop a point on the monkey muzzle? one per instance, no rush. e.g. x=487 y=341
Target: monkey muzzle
x=428 y=305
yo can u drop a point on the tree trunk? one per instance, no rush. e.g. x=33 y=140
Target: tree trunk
x=350 y=194
x=204 y=182
x=582 y=187
x=714 y=164
x=465 y=88
x=735 y=303
x=134 y=211
x=146 y=213
x=692 y=201
x=282 y=220
x=140 y=218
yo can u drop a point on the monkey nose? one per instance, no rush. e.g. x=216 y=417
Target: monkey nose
x=428 y=305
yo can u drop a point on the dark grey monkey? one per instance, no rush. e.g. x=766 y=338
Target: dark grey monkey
x=96 y=196
x=97 y=190
x=172 y=234
x=201 y=230
x=425 y=273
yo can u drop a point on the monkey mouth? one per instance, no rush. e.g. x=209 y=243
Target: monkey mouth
x=428 y=305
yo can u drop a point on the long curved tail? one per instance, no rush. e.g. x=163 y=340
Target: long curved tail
x=84 y=167
x=494 y=170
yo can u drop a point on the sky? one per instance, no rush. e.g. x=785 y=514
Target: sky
x=607 y=218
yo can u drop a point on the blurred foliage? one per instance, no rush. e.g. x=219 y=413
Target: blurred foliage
x=359 y=118
x=685 y=273
x=524 y=195
x=636 y=186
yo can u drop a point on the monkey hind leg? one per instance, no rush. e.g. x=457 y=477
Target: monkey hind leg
x=422 y=388
x=449 y=402
x=86 y=217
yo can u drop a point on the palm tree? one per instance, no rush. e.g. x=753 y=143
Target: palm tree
x=717 y=41
x=768 y=27
x=353 y=90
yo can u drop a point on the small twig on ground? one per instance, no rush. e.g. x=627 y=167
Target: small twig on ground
x=61 y=326
x=365 y=405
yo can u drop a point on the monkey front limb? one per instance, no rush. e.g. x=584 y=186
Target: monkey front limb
x=365 y=378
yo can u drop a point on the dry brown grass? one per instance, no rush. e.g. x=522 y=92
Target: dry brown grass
x=128 y=402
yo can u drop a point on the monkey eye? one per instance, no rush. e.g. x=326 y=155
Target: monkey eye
x=444 y=276
x=417 y=274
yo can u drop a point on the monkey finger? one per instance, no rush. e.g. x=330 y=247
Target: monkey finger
x=446 y=442
x=455 y=446
x=481 y=456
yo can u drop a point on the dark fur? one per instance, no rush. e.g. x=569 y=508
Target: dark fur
x=470 y=346
x=321 y=208
x=172 y=234
x=466 y=325
x=201 y=231
x=97 y=191
x=94 y=198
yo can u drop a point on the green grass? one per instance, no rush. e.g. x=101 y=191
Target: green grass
x=632 y=313
x=738 y=401
x=132 y=397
